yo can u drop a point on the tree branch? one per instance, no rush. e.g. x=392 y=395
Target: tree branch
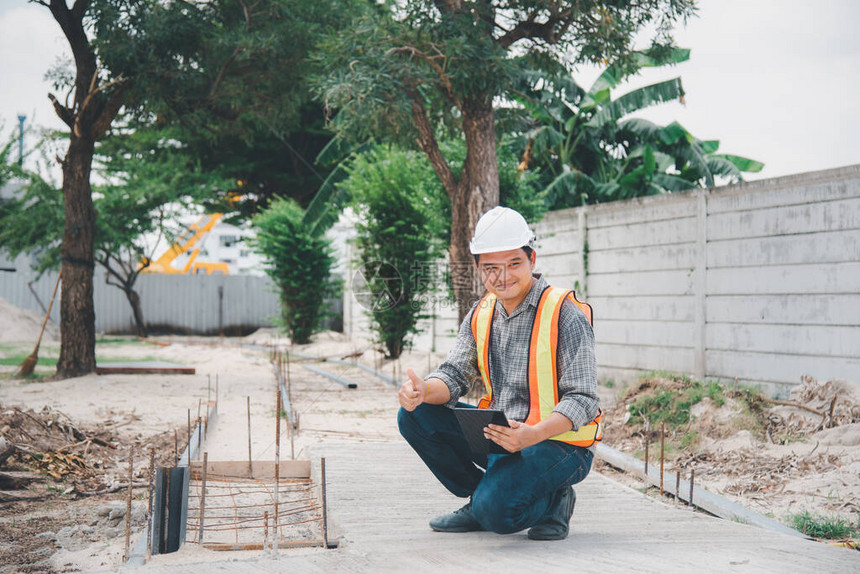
x=108 y=112
x=64 y=113
x=550 y=31
x=447 y=88
x=429 y=145
x=246 y=10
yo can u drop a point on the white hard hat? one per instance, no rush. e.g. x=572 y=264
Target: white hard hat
x=501 y=229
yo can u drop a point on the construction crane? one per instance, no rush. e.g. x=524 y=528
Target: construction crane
x=185 y=244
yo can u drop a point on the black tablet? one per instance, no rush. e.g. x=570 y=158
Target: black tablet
x=473 y=421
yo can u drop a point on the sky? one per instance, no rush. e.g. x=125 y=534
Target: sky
x=773 y=80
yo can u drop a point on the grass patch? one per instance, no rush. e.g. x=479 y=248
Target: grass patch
x=671 y=402
x=34 y=378
x=15 y=360
x=119 y=341
x=825 y=527
x=689 y=439
x=126 y=360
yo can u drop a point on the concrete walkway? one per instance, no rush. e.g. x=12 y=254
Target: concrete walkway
x=381 y=496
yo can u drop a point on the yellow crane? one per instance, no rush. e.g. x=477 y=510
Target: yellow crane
x=185 y=244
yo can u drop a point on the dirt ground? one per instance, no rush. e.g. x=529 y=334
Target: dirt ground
x=779 y=458
x=75 y=437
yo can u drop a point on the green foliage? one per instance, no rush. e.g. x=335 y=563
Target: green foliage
x=672 y=405
x=32 y=222
x=7 y=167
x=401 y=209
x=445 y=54
x=688 y=440
x=299 y=263
x=220 y=81
x=825 y=527
x=588 y=152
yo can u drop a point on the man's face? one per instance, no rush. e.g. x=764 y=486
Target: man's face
x=507 y=274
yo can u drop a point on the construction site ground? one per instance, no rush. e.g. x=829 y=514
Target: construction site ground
x=380 y=496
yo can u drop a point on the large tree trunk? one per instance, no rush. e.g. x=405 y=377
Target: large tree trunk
x=476 y=192
x=77 y=311
x=95 y=107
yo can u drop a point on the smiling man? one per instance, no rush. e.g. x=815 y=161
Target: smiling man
x=533 y=348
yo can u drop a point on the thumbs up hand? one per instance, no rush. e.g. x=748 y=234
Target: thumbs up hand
x=413 y=392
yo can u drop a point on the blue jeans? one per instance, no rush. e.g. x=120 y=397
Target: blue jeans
x=516 y=491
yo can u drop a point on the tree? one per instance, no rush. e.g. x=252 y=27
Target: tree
x=588 y=151
x=151 y=180
x=176 y=61
x=97 y=94
x=400 y=237
x=412 y=69
x=299 y=262
x=147 y=182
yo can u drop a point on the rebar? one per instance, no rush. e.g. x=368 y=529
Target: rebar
x=128 y=502
x=647 y=442
x=203 y=495
x=277 y=461
x=250 y=464
x=324 y=509
x=662 y=453
x=692 y=478
x=188 y=442
x=151 y=493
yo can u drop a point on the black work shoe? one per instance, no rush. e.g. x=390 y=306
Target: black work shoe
x=461 y=520
x=557 y=524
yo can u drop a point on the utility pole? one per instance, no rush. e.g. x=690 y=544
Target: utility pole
x=21 y=118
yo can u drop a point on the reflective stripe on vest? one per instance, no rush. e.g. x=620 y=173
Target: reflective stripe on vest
x=543 y=379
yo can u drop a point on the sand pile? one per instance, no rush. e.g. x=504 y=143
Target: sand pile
x=18 y=324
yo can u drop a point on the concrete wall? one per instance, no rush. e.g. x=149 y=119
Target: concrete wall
x=759 y=281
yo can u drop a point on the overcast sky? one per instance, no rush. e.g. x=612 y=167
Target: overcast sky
x=774 y=80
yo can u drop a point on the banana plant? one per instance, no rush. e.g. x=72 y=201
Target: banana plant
x=590 y=152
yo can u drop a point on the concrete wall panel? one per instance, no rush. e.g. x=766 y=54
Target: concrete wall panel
x=645 y=358
x=642 y=283
x=813 y=187
x=682 y=230
x=821 y=340
x=642 y=308
x=627 y=332
x=825 y=247
x=821 y=278
x=634 y=211
x=652 y=258
x=785 y=309
x=786 y=220
x=780 y=368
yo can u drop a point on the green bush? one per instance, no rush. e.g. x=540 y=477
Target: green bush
x=672 y=406
x=831 y=528
x=298 y=262
x=401 y=220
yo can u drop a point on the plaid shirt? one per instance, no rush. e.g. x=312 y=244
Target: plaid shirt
x=509 y=343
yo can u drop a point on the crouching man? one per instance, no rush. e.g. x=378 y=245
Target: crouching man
x=533 y=348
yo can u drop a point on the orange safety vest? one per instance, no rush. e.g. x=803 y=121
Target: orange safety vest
x=543 y=379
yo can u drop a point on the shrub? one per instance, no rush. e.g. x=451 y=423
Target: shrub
x=401 y=218
x=817 y=526
x=298 y=262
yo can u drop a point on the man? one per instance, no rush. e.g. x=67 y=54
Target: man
x=505 y=341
